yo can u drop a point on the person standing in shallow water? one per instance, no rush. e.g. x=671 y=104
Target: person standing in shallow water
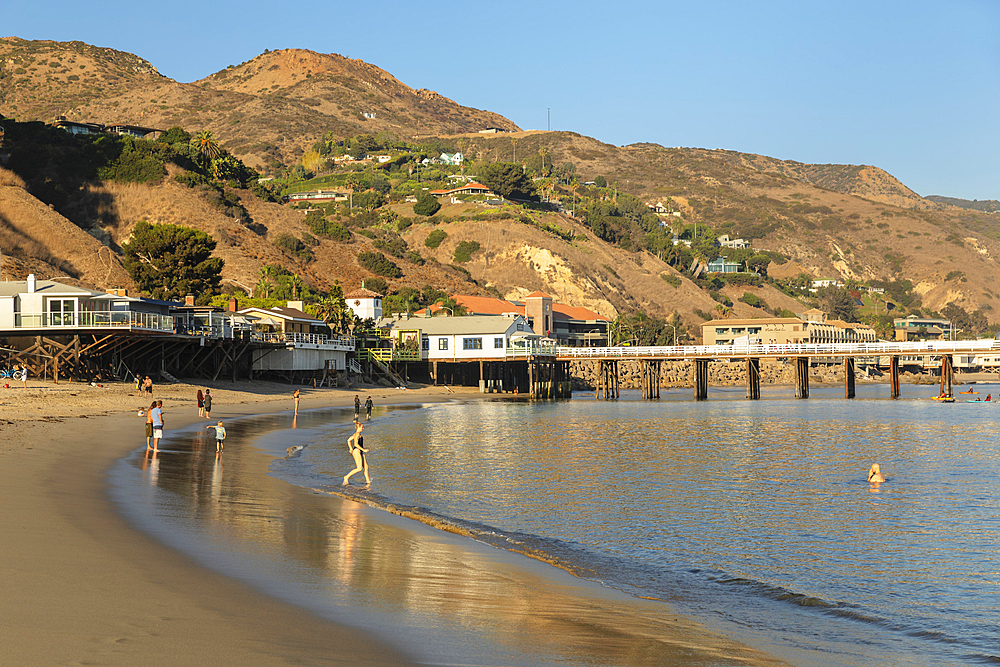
x=357 y=407
x=201 y=404
x=355 y=446
x=208 y=404
x=368 y=409
x=296 y=397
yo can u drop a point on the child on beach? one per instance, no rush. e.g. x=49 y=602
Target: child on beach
x=208 y=404
x=354 y=445
x=201 y=404
x=220 y=435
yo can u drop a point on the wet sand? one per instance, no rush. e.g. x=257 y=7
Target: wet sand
x=81 y=585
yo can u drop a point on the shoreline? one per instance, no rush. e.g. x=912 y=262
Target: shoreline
x=81 y=584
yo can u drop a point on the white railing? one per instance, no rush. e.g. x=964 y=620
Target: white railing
x=532 y=349
x=344 y=342
x=354 y=366
x=880 y=348
x=94 y=320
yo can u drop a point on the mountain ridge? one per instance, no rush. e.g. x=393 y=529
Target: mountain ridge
x=851 y=221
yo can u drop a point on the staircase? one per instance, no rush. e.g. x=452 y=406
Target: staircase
x=168 y=377
x=384 y=367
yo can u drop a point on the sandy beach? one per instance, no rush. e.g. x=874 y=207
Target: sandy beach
x=81 y=586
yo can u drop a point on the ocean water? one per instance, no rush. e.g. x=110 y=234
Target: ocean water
x=752 y=518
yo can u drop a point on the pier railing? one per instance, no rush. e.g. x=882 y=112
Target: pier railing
x=872 y=349
x=338 y=342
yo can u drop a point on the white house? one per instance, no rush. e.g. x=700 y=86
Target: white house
x=364 y=303
x=466 y=338
x=46 y=304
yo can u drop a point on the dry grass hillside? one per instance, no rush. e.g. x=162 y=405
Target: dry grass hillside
x=36 y=239
x=846 y=221
x=272 y=107
x=829 y=220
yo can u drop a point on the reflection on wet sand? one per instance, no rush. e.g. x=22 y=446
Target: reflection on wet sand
x=443 y=597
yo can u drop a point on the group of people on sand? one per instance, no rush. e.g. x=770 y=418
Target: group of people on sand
x=144 y=386
x=154 y=421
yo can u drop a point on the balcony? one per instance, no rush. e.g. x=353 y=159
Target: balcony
x=94 y=320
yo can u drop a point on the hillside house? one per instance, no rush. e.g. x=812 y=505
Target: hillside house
x=724 y=241
x=316 y=196
x=466 y=189
x=720 y=265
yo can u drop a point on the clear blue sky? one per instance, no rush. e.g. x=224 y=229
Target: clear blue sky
x=909 y=86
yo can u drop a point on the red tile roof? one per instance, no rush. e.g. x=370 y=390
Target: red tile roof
x=536 y=293
x=564 y=312
x=362 y=293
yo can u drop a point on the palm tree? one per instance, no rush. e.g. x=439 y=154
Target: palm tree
x=723 y=311
x=207 y=145
x=263 y=287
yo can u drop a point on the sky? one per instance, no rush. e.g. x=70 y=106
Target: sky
x=911 y=87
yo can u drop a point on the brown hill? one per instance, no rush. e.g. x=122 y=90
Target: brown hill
x=270 y=108
x=849 y=221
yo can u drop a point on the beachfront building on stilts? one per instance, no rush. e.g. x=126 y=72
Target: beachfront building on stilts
x=497 y=353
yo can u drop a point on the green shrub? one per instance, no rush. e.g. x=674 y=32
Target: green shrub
x=292 y=246
x=463 y=253
x=427 y=205
x=435 y=238
x=752 y=299
x=379 y=264
x=671 y=280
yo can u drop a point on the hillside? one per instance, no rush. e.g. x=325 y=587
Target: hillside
x=847 y=221
x=270 y=108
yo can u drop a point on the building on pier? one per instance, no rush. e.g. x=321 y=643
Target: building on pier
x=570 y=326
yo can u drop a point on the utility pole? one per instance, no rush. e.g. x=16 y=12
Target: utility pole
x=548 y=113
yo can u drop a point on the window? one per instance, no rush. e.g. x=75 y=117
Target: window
x=425 y=343
x=442 y=343
x=498 y=343
x=61 y=312
x=472 y=343
x=520 y=326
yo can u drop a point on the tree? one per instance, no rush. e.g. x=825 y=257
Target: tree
x=427 y=205
x=759 y=263
x=334 y=311
x=171 y=261
x=839 y=304
x=207 y=145
x=507 y=180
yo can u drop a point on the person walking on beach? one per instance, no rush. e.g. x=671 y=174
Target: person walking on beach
x=138 y=386
x=208 y=404
x=357 y=408
x=24 y=375
x=147 y=386
x=355 y=446
x=201 y=404
x=368 y=409
x=157 y=414
x=149 y=423
x=220 y=435
x=296 y=397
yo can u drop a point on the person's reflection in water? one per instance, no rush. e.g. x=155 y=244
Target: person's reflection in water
x=151 y=462
x=217 y=477
x=295 y=420
x=350 y=534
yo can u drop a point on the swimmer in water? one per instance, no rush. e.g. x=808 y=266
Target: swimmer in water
x=875 y=475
